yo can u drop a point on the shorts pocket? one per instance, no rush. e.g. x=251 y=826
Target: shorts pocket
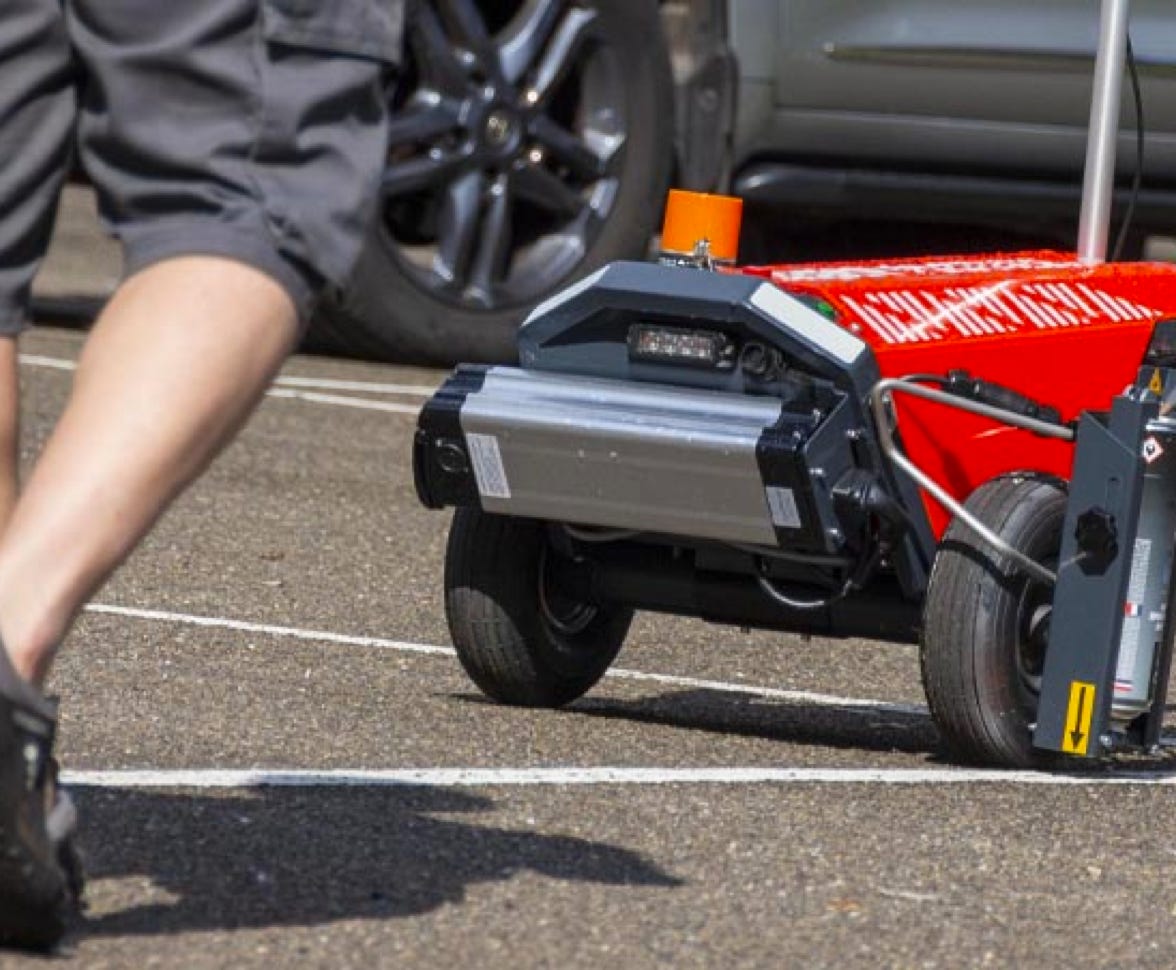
x=361 y=28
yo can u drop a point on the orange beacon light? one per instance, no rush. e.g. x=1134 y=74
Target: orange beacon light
x=701 y=229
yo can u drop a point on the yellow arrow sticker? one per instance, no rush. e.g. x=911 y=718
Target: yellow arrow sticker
x=1157 y=383
x=1079 y=713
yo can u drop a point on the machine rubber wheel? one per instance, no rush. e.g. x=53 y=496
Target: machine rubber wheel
x=521 y=638
x=986 y=625
x=531 y=143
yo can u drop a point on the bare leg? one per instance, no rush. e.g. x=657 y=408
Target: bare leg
x=174 y=366
x=9 y=429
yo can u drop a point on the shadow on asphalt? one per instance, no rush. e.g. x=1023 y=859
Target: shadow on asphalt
x=304 y=857
x=719 y=712
x=813 y=725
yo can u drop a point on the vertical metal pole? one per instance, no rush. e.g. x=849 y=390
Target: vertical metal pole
x=1098 y=184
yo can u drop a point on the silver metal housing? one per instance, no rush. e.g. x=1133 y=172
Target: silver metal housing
x=617 y=454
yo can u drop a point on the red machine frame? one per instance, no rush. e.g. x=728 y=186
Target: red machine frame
x=1046 y=324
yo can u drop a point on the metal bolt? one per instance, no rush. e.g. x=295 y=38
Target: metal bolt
x=499 y=127
x=708 y=99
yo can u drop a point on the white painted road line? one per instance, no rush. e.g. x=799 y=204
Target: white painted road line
x=52 y=363
x=775 y=693
x=267 y=629
x=342 y=400
x=767 y=693
x=366 y=387
x=515 y=777
x=301 y=388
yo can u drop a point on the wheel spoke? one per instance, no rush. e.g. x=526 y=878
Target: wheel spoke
x=503 y=155
x=424 y=119
x=434 y=53
x=494 y=241
x=577 y=155
x=541 y=188
x=465 y=18
x=558 y=59
x=519 y=50
x=457 y=227
x=434 y=169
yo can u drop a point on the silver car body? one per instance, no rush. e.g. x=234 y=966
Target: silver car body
x=939 y=100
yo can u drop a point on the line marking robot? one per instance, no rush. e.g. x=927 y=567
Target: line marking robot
x=974 y=454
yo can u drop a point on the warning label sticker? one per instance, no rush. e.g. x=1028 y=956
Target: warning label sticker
x=1079 y=713
x=782 y=502
x=489 y=471
x=1151 y=450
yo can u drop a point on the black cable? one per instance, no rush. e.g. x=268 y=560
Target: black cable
x=939 y=379
x=819 y=604
x=1137 y=181
x=857 y=578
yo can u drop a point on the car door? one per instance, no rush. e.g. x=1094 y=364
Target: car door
x=983 y=85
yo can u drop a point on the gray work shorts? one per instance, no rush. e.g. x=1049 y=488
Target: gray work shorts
x=249 y=129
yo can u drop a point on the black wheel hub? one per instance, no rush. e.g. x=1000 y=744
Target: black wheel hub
x=504 y=144
x=563 y=611
x=501 y=134
x=1035 y=609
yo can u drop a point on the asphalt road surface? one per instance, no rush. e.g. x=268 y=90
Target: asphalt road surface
x=279 y=762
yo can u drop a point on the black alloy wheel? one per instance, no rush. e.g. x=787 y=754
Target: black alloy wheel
x=530 y=143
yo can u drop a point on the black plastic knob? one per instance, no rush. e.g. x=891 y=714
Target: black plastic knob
x=1097 y=536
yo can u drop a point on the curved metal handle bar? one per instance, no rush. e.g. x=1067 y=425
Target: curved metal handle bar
x=882 y=418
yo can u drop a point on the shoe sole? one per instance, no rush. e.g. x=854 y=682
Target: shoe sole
x=32 y=927
x=40 y=926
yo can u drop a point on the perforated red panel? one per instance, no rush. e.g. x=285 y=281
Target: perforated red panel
x=1042 y=323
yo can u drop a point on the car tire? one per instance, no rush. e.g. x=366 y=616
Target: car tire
x=986 y=624
x=531 y=144
x=520 y=637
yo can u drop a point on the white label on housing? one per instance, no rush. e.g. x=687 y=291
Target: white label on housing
x=488 y=468
x=808 y=323
x=782 y=502
x=1129 y=640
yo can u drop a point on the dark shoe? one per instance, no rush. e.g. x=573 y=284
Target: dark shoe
x=40 y=881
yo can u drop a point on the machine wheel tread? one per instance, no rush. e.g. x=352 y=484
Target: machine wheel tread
x=503 y=639
x=974 y=624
